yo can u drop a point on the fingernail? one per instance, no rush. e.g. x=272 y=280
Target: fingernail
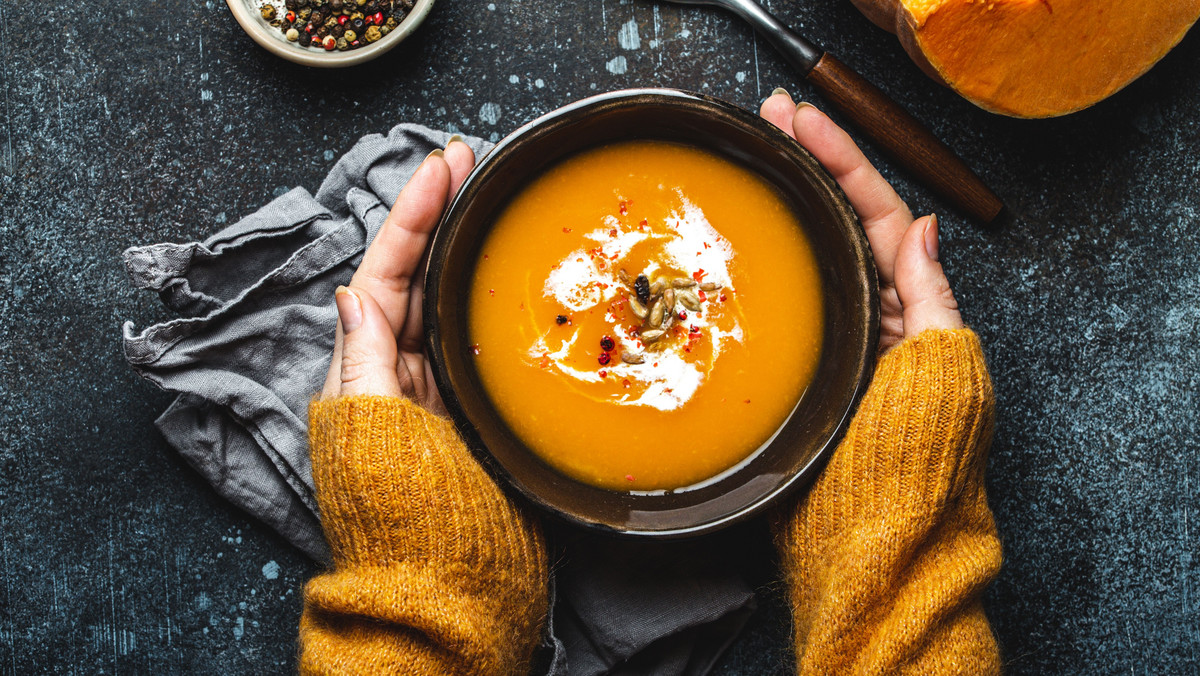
x=804 y=104
x=437 y=152
x=931 y=237
x=781 y=90
x=349 y=308
x=454 y=138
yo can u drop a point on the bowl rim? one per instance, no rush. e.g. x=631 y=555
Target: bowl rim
x=435 y=262
x=252 y=23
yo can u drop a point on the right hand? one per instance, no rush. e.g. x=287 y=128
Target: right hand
x=914 y=294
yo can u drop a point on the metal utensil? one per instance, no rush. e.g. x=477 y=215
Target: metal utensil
x=889 y=126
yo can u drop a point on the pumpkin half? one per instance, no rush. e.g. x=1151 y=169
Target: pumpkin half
x=1034 y=58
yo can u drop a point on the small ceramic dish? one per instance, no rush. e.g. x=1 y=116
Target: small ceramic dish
x=247 y=13
x=797 y=450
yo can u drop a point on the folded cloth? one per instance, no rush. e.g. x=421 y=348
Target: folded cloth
x=251 y=347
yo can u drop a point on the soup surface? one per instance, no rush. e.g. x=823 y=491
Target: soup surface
x=646 y=315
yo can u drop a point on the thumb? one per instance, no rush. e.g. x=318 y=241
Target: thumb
x=924 y=291
x=368 y=347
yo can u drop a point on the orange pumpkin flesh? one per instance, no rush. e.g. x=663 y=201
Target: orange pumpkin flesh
x=1035 y=58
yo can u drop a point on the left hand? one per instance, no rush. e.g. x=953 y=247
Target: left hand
x=379 y=348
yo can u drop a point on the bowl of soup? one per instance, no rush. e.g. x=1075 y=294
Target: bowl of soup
x=651 y=312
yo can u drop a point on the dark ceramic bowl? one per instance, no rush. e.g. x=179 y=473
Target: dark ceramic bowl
x=797 y=451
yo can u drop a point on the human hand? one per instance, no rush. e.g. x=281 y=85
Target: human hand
x=914 y=293
x=379 y=348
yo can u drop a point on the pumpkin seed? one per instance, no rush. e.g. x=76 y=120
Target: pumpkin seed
x=655 y=289
x=632 y=357
x=669 y=299
x=709 y=286
x=652 y=335
x=690 y=300
x=683 y=283
x=656 y=313
x=658 y=346
x=624 y=277
x=639 y=310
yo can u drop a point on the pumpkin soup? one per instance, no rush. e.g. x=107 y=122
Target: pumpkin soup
x=645 y=315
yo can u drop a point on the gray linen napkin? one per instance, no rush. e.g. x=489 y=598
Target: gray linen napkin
x=251 y=346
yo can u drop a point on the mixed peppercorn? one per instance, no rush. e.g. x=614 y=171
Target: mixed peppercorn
x=336 y=24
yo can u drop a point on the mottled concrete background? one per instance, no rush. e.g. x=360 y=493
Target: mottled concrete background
x=132 y=122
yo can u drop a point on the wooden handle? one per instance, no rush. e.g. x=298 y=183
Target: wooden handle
x=904 y=138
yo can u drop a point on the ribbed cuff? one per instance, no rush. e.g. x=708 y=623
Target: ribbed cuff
x=920 y=434
x=887 y=554
x=396 y=484
x=925 y=423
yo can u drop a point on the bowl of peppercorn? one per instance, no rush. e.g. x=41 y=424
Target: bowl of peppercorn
x=557 y=420
x=329 y=33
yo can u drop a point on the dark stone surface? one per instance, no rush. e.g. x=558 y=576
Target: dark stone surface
x=133 y=122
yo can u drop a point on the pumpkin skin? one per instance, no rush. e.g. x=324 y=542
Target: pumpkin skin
x=1034 y=58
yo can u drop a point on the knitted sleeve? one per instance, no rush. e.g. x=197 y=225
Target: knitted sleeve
x=434 y=571
x=887 y=555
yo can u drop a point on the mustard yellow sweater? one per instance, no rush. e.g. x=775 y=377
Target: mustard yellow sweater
x=435 y=572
